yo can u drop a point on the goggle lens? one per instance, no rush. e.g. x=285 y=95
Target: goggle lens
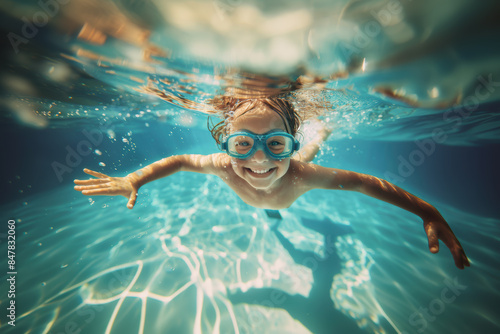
x=243 y=146
x=240 y=145
x=279 y=145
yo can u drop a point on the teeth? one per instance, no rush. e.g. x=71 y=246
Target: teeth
x=262 y=171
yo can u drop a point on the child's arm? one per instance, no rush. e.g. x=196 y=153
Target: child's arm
x=309 y=151
x=434 y=224
x=129 y=185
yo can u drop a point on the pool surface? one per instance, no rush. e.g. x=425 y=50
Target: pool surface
x=411 y=91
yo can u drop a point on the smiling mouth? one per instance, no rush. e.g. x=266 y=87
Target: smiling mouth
x=260 y=172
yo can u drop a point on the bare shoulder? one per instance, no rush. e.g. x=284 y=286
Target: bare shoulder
x=314 y=176
x=207 y=164
x=220 y=160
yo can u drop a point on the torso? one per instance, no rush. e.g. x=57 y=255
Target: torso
x=291 y=187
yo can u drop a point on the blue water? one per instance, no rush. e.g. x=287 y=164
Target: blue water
x=415 y=103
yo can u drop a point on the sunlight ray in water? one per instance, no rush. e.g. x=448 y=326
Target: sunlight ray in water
x=207 y=266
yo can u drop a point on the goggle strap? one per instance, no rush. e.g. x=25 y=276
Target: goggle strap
x=296 y=145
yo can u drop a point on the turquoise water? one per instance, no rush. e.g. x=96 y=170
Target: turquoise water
x=169 y=265
x=411 y=91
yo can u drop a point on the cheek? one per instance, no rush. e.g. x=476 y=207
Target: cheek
x=237 y=165
x=283 y=165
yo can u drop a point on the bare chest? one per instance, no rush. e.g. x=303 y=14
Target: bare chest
x=281 y=197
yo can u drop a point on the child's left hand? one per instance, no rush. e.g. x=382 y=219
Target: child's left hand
x=437 y=228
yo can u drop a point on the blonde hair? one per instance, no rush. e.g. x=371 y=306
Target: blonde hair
x=230 y=105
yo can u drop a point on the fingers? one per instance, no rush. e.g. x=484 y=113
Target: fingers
x=97 y=186
x=131 y=200
x=91 y=181
x=451 y=241
x=456 y=249
x=433 y=240
x=466 y=260
x=96 y=174
x=458 y=261
x=461 y=260
x=103 y=191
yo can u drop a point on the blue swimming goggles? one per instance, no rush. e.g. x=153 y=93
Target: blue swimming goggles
x=244 y=144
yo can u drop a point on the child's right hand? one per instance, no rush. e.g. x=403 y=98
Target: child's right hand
x=106 y=185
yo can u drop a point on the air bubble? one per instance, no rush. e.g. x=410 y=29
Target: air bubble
x=111 y=134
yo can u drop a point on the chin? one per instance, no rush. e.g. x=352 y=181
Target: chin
x=262 y=182
x=257 y=178
x=260 y=185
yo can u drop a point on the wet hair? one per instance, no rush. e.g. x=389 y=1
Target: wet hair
x=281 y=106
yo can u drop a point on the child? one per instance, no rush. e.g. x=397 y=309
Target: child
x=258 y=137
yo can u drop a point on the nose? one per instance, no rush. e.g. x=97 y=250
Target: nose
x=260 y=156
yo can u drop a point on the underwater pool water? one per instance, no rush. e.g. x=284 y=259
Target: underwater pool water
x=173 y=263
x=411 y=91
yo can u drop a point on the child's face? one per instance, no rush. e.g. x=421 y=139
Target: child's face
x=259 y=121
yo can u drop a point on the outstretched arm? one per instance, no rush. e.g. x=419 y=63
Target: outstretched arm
x=435 y=225
x=309 y=151
x=129 y=185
